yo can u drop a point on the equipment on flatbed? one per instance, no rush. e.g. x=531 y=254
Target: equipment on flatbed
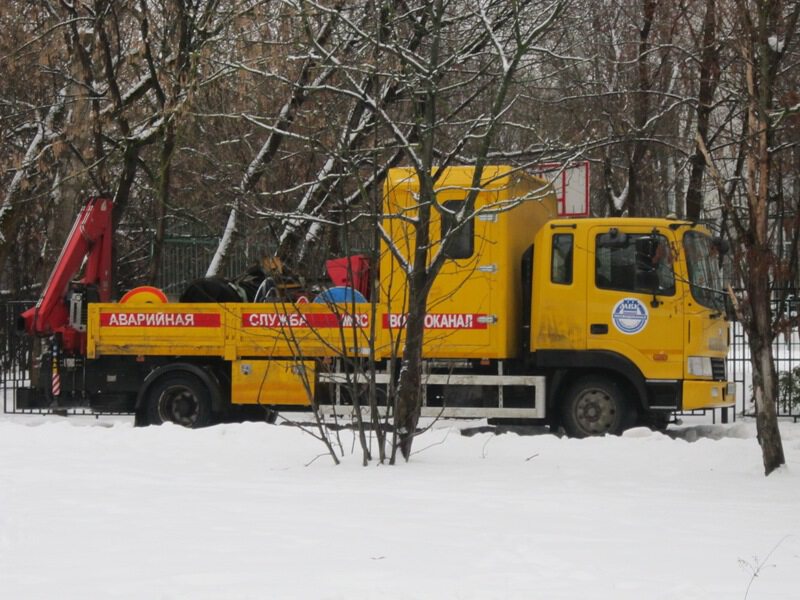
x=590 y=324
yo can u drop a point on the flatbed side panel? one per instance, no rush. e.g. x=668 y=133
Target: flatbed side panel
x=303 y=330
x=270 y=330
x=228 y=330
x=156 y=329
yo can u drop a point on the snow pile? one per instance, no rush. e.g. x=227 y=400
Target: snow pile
x=102 y=510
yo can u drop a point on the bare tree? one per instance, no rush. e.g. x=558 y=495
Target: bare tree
x=425 y=149
x=427 y=84
x=766 y=36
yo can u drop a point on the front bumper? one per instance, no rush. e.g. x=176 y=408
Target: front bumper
x=699 y=395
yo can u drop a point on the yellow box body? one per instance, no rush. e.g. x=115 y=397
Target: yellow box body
x=474 y=306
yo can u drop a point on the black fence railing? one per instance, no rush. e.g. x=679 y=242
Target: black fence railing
x=786 y=352
x=16 y=357
x=17 y=351
x=186 y=258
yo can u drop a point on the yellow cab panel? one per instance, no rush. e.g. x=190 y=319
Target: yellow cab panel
x=633 y=309
x=706 y=331
x=558 y=317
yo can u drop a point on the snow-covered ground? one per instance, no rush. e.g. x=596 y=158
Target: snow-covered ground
x=98 y=509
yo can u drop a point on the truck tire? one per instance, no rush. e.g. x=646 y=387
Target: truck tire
x=179 y=398
x=212 y=289
x=595 y=405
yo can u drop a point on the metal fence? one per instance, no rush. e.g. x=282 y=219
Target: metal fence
x=786 y=351
x=16 y=352
x=186 y=258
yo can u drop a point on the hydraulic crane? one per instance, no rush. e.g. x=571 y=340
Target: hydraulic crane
x=61 y=310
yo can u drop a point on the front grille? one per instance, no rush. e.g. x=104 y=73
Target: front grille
x=718 y=369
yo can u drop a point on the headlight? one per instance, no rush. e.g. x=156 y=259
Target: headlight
x=700 y=366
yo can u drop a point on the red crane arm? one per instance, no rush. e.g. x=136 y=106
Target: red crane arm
x=89 y=239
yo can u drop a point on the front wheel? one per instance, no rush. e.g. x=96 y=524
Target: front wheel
x=179 y=398
x=594 y=406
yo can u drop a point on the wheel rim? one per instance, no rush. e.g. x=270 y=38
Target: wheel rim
x=178 y=404
x=595 y=411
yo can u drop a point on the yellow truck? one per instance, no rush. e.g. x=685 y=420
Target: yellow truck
x=590 y=324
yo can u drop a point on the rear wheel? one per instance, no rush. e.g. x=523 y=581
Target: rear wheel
x=179 y=398
x=595 y=405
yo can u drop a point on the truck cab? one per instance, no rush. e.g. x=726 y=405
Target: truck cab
x=635 y=302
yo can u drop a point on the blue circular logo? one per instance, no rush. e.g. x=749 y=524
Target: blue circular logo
x=629 y=315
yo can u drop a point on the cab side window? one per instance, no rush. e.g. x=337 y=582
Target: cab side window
x=561 y=261
x=620 y=267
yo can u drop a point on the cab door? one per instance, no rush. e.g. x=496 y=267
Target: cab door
x=634 y=303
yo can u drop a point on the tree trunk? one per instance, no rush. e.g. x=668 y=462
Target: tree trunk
x=709 y=73
x=409 y=390
x=764 y=388
x=162 y=200
x=761 y=62
x=765 y=383
x=282 y=123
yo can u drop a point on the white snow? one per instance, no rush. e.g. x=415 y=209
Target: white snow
x=775 y=44
x=98 y=509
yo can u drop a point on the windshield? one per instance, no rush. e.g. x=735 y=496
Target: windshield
x=705 y=276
